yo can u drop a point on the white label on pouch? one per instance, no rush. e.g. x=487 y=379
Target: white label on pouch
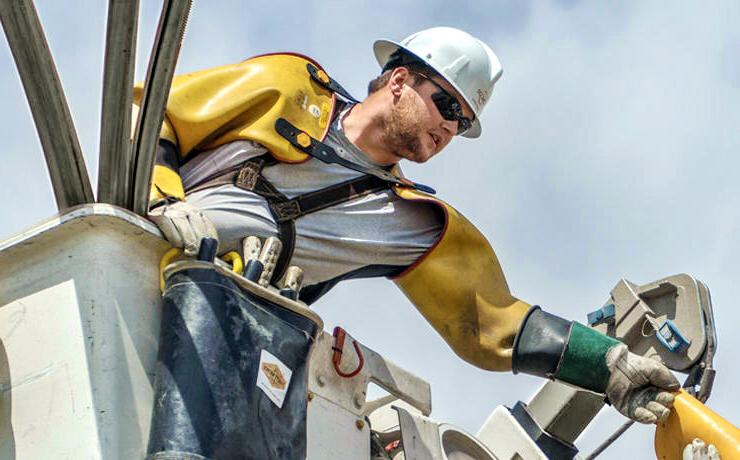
x=273 y=377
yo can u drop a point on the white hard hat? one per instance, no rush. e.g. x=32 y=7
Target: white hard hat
x=467 y=63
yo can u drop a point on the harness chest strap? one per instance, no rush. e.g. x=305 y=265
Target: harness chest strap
x=248 y=176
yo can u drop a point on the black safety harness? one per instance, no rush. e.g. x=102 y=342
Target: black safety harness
x=248 y=176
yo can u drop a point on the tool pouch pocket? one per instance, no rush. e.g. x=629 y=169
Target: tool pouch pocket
x=231 y=373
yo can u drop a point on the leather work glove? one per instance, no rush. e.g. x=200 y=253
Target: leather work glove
x=638 y=387
x=183 y=225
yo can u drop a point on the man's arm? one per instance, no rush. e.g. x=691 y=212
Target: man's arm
x=166 y=181
x=183 y=225
x=552 y=347
x=460 y=288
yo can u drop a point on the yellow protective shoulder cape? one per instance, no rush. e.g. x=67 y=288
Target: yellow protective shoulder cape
x=459 y=287
x=212 y=107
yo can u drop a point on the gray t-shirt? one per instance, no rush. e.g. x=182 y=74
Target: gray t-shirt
x=376 y=234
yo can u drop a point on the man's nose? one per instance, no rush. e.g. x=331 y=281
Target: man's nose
x=449 y=127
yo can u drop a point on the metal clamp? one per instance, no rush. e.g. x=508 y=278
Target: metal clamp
x=670 y=336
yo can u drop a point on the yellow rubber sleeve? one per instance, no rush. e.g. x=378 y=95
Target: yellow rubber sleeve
x=165 y=183
x=212 y=107
x=460 y=288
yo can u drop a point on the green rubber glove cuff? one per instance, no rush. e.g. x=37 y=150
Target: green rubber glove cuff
x=583 y=362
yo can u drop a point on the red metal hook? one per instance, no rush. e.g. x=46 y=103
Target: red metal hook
x=339 y=336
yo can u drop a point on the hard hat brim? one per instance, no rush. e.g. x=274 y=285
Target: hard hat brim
x=383 y=50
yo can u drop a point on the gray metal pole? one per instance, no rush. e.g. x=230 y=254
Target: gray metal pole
x=45 y=95
x=114 y=168
x=162 y=63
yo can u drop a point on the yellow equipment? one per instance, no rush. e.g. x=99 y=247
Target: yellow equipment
x=691 y=419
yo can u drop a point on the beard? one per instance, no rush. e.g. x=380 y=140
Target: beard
x=400 y=130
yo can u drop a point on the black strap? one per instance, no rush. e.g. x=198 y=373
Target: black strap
x=250 y=178
x=317 y=149
x=327 y=82
x=326 y=197
x=224 y=177
x=243 y=173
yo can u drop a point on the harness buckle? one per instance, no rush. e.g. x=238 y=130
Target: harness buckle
x=286 y=210
x=248 y=175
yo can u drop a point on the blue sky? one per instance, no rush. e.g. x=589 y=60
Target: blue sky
x=610 y=150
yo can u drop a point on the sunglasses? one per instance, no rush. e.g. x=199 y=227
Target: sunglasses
x=448 y=106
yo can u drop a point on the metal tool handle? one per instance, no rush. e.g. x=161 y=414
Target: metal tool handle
x=269 y=257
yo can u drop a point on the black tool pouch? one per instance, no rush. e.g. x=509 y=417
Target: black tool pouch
x=217 y=337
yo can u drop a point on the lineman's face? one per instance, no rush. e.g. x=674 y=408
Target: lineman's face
x=414 y=129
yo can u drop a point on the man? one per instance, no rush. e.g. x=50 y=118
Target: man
x=274 y=147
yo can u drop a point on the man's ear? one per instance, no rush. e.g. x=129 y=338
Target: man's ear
x=399 y=77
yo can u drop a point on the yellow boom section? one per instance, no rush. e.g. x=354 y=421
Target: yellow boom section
x=691 y=419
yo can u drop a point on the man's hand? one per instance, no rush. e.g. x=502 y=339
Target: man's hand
x=698 y=450
x=638 y=387
x=183 y=225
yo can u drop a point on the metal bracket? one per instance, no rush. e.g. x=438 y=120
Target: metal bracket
x=350 y=393
x=604 y=314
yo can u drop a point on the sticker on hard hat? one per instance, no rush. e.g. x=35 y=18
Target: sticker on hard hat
x=480 y=101
x=273 y=377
